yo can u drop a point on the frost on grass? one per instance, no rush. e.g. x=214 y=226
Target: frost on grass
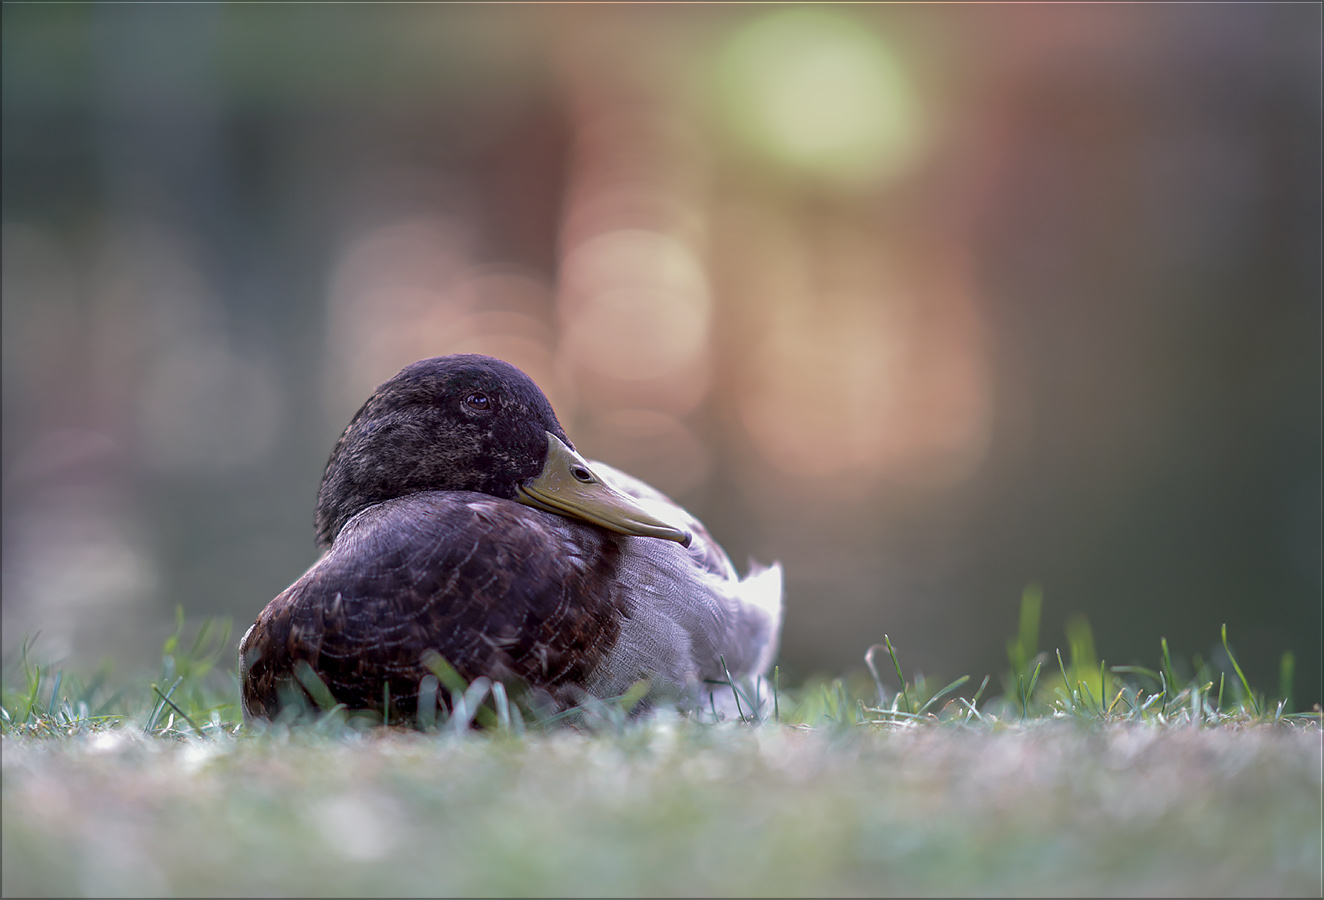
x=670 y=808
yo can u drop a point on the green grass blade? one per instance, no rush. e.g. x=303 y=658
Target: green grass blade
x=314 y=685
x=1087 y=696
x=732 y=684
x=1286 y=677
x=55 y=689
x=633 y=695
x=947 y=690
x=426 y=712
x=1167 y=663
x=1139 y=670
x=979 y=693
x=899 y=677
x=1034 y=680
x=469 y=706
x=1066 y=681
x=183 y=715
x=1250 y=695
x=502 y=703
x=446 y=674
x=160 y=704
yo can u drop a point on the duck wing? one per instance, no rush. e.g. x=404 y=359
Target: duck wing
x=690 y=619
x=493 y=586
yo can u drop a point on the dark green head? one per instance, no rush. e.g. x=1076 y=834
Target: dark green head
x=450 y=423
x=470 y=423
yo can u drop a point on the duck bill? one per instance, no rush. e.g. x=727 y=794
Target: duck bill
x=568 y=486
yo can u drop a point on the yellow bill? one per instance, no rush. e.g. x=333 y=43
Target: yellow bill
x=567 y=486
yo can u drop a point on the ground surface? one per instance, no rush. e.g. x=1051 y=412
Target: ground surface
x=1052 y=808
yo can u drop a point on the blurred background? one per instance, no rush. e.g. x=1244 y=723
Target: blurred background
x=930 y=303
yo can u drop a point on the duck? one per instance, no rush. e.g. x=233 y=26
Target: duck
x=457 y=521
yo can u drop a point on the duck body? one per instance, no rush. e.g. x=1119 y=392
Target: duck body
x=459 y=522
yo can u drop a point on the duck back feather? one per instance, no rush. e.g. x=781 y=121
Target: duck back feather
x=493 y=587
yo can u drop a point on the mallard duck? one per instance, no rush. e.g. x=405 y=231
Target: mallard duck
x=459 y=521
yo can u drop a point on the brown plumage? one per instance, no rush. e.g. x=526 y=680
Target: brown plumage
x=459 y=521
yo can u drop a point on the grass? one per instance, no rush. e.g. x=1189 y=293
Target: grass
x=1066 y=778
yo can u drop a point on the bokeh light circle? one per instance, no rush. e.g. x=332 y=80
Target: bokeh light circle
x=814 y=91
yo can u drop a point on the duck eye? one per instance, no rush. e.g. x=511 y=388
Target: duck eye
x=582 y=474
x=478 y=400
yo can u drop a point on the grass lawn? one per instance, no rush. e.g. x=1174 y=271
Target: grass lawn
x=842 y=790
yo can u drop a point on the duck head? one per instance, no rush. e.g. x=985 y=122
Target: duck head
x=469 y=423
